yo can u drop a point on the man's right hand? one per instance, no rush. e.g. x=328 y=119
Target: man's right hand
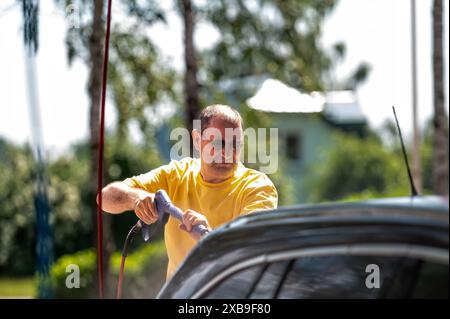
x=144 y=207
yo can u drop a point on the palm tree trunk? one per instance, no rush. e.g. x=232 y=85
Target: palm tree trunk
x=190 y=79
x=94 y=88
x=440 y=120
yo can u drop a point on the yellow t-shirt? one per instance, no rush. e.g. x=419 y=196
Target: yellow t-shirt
x=247 y=191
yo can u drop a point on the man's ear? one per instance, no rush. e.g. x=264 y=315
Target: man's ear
x=196 y=139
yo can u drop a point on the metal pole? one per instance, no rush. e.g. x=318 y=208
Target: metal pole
x=417 y=171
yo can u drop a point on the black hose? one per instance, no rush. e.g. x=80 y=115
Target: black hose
x=133 y=231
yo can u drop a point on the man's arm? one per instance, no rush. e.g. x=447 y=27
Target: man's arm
x=118 y=197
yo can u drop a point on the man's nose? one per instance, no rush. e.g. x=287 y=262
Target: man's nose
x=227 y=153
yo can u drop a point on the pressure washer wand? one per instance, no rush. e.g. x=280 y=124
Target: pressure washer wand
x=164 y=205
x=165 y=209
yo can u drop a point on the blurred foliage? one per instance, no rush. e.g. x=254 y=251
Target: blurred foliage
x=392 y=143
x=138 y=14
x=138 y=81
x=280 y=38
x=17 y=218
x=355 y=165
x=67 y=191
x=370 y=194
x=72 y=221
x=363 y=168
x=144 y=274
x=86 y=260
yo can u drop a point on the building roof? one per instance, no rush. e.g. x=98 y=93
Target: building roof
x=340 y=107
x=275 y=96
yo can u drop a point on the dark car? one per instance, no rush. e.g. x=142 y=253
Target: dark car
x=387 y=248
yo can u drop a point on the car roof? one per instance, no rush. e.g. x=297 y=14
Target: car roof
x=425 y=219
x=433 y=208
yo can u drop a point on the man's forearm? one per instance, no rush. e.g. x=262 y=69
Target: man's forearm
x=118 y=197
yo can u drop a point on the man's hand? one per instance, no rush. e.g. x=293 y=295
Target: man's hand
x=192 y=218
x=144 y=207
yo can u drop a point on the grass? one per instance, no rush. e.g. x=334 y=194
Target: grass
x=17 y=287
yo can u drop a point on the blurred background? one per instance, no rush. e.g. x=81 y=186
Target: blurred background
x=325 y=73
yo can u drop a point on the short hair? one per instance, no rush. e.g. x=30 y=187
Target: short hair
x=221 y=111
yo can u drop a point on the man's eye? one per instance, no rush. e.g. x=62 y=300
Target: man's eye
x=217 y=144
x=222 y=145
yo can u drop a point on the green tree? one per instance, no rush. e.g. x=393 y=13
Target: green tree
x=17 y=244
x=280 y=38
x=71 y=223
x=88 y=37
x=86 y=41
x=191 y=86
x=138 y=80
x=356 y=165
x=68 y=196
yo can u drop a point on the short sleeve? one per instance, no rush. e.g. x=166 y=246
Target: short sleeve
x=262 y=196
x=152 y=181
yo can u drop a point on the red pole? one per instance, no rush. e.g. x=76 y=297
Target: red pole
x=100 y=158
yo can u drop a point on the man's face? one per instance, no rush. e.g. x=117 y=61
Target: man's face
x=220 y=148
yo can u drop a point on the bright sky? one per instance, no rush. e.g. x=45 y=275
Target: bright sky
x=377 y=32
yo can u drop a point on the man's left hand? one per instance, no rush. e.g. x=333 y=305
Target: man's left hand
x=192 y=218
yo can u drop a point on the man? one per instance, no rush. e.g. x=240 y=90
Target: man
x=211 y=190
